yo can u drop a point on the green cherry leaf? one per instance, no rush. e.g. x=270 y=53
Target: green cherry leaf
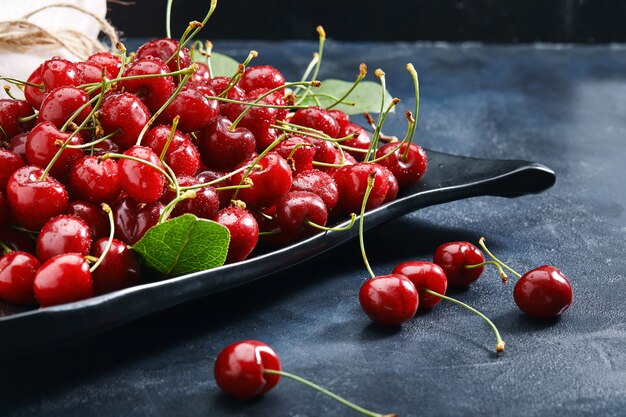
x=222 y=65
x=183 y=245
x=366 y=96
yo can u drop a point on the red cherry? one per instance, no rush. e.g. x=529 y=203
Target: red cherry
x=453 y=257
x=342 y=119
x=181 y=155
x=362 y=141
x=61 y=103
x=221 y=148
x=141 y=181
x=53 y=73
x=543 y=293
x=63 y=279
x=271 y=179
x=119 y=269
x=95 y=180
x=301 y=159
x=93 y=215
x=408 y=170
x=34 y=201
x=41 y=147
x=244 y=232
x=9 y=163
x=296 y=208
x=133 y=219
x=424 y=275
x=10 y=113
x=319 y=183
x=205 y=204
x=202 y=73
x=261 y=76
x=352 y=182
x=394 y=188
x=17 y=273
x=91 y=72
x=317 y=118
x=63 y=234
x=196 y=111
x=163 y=49
x=17 y=145
x=239 y=369
x=209 y=175
x=107 y=60
x=154 y=92
x=389 y=300
x=125 y=115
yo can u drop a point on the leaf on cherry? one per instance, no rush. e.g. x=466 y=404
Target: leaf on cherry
x=183 y=245
x=221 y=65
x=366 y=96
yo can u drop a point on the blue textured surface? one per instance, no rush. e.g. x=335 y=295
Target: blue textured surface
x=564 y=107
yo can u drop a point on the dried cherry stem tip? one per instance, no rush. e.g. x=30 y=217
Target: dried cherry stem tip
x=326 y=392
x=499 y=342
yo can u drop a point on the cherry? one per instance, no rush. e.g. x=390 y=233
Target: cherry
x=204 y=204
x=154 y=91
x=125 y=115
x=196 y=111
x=319 y=183
x=362 y=141
x=298 y=151
x=133 y=219
x=107 y=60
x=53 y=73
x=4 y=210
x=352 y=182
x=275 y=98
x=91 y=72
x=17 y=145
x=317 y=118
x=163 y=49
x=119 y=268
x=17 y=273
x=394 y=188
x=271 y=178
x=389 y=300
x=543 y=292
x=424 y=275
x=224 y=194
x=261 y=76
x=181 y=156
x=141 y=181
x=244 y=232
x=239 y=369
x=9 y=163
x=61 y=103
x=296 y=210
x=202 y=74
x=42 y=146
x=32 y=200
x=95 y=180
x=342 y=119
x=10 y=113
x=92 y=215
x=63 y=234
x=63 y=279
x=408 y=163
x=221 y=148
x=457 y=260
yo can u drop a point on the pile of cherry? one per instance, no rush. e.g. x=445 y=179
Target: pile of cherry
x=153 y=136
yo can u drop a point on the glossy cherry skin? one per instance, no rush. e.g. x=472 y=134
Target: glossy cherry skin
x=295 y=208
x=181 y=155
x=196 y=111
x=244 y=232
x=163 y=49
x=409 y=170
x=221 y=148
x=63 y=234
x=394 y=188
x=271 y=179
x=119 y=269
x=93 y=215
x=139 y=180
x=95 y=180
x=9 y=163
x=205 y=204
x=124 y=114
x=154 y=92
x=34 y=202
x=317 y=118
x=12 y=110
x=41 y=147
x=61 y=103
x=298 y=151
x=133 y=219
x=239 y=369
x=17 y=273
x=91 y=72
x=63 y=279
x=261 y=76
x=389 y=300
x=209 y=175
x=17 y=145
x=319 y=183
x=362 y=141
x=452 y=257
x=352 y=183
x=202 y=74
x=424 y=275
x=53 y=73
x=107 y=60
x=543 y=293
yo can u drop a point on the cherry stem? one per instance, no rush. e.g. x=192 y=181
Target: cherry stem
x=416 y=86
x=371 y=151
x=22 y=83
x=359 y=78
x=89 y=144
x=7 y=90
x=333 y=98
x=334 y=229
x=169 y=138
x=370 y=185
x=246 y=103
x=4 y=134
x=27 y=118
x=94 y=86
x=322 y=39
x=312 y=64
x=499 y=342
x=217 y=180
x=168 y=18
x=202 y=24
x=503 y=276
x=325 y=392
x=109 y=212
x=79 y=111
x=257 y=160
x=110 y=155
x=246 y=184
x=481 y=242
x=170 y=206
x=5 y=248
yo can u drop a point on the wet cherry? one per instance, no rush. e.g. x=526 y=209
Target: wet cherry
x=63 y=234
x=456 y=259
x=389 y=300
x=424 y=275
x=119 y=268
x=17 y=273
x=244 y=232
x=543 y=292
x=63 y=279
